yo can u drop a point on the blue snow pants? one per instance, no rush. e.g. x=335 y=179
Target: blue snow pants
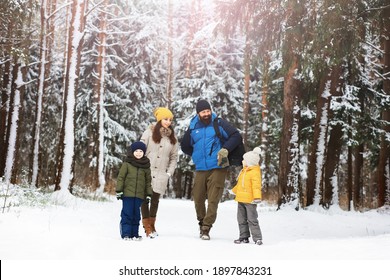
x=130 y=216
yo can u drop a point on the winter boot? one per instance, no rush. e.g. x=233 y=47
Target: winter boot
x=205 y=233
x=200 y=229
x=147 y=227
x=241 y=240
x=152 y=222
x=259 y=242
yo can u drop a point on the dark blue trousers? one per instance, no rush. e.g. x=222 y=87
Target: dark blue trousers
x=130 y=216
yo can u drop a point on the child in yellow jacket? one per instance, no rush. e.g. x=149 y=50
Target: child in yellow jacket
x=248 y=195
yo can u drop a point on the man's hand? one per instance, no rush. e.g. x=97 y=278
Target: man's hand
x=223 y=160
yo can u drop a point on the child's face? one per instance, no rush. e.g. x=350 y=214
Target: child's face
x=138 y=153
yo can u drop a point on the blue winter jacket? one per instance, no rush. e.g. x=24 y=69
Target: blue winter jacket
x=201 y=142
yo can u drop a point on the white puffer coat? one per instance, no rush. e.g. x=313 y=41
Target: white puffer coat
x=162 y=156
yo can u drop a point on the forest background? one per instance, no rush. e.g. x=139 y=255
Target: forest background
x=307 y=81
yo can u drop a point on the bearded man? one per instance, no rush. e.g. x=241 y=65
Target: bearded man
x=210 y=156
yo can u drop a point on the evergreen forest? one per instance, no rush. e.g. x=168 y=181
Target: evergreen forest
x=307 y=81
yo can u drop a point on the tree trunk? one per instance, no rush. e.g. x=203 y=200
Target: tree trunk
x=65 y=175
x=189 y=63
x=176 y=183
x=356 y=185
x=99 y=101
x=349 y=169
x=13 y=125
x=60 y=148
x=358 y=163
x=289 y=146
x=188 y=180
x=34 y=162
x=4 y=111
x=265 y=156
x=5 y=101
x=334 y=144
x=20 y=87
x=288 y=159
x=170 y=56
x=317 y=149
x=384 y=155
x=246 y=93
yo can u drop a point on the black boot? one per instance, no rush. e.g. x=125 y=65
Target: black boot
x=241 y=240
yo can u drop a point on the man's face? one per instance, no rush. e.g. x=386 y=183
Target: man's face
x=205 y=116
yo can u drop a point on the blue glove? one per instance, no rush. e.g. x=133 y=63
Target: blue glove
x=119 y=195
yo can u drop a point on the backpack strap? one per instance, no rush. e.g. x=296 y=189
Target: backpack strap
x=216 y=128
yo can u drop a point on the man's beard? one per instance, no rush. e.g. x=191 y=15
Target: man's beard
x=206 y=119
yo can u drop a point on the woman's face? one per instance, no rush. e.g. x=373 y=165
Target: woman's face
x=166 y=122
x=138 y=153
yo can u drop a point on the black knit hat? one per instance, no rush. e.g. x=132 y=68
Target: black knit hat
x=202 y=105
x=138 y=145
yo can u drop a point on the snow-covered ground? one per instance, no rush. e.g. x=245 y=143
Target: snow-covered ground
x=84 y=234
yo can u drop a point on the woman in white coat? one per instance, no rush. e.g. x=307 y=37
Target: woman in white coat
x=162 y=149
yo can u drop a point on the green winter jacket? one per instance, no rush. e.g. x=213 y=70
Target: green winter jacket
x=134 y=178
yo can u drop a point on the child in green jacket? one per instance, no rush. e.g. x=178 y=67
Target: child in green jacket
x=133 y=187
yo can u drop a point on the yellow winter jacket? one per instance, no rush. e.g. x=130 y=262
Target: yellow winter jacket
x=248 y=185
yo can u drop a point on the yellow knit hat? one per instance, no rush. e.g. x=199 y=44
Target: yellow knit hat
x=163 y=113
